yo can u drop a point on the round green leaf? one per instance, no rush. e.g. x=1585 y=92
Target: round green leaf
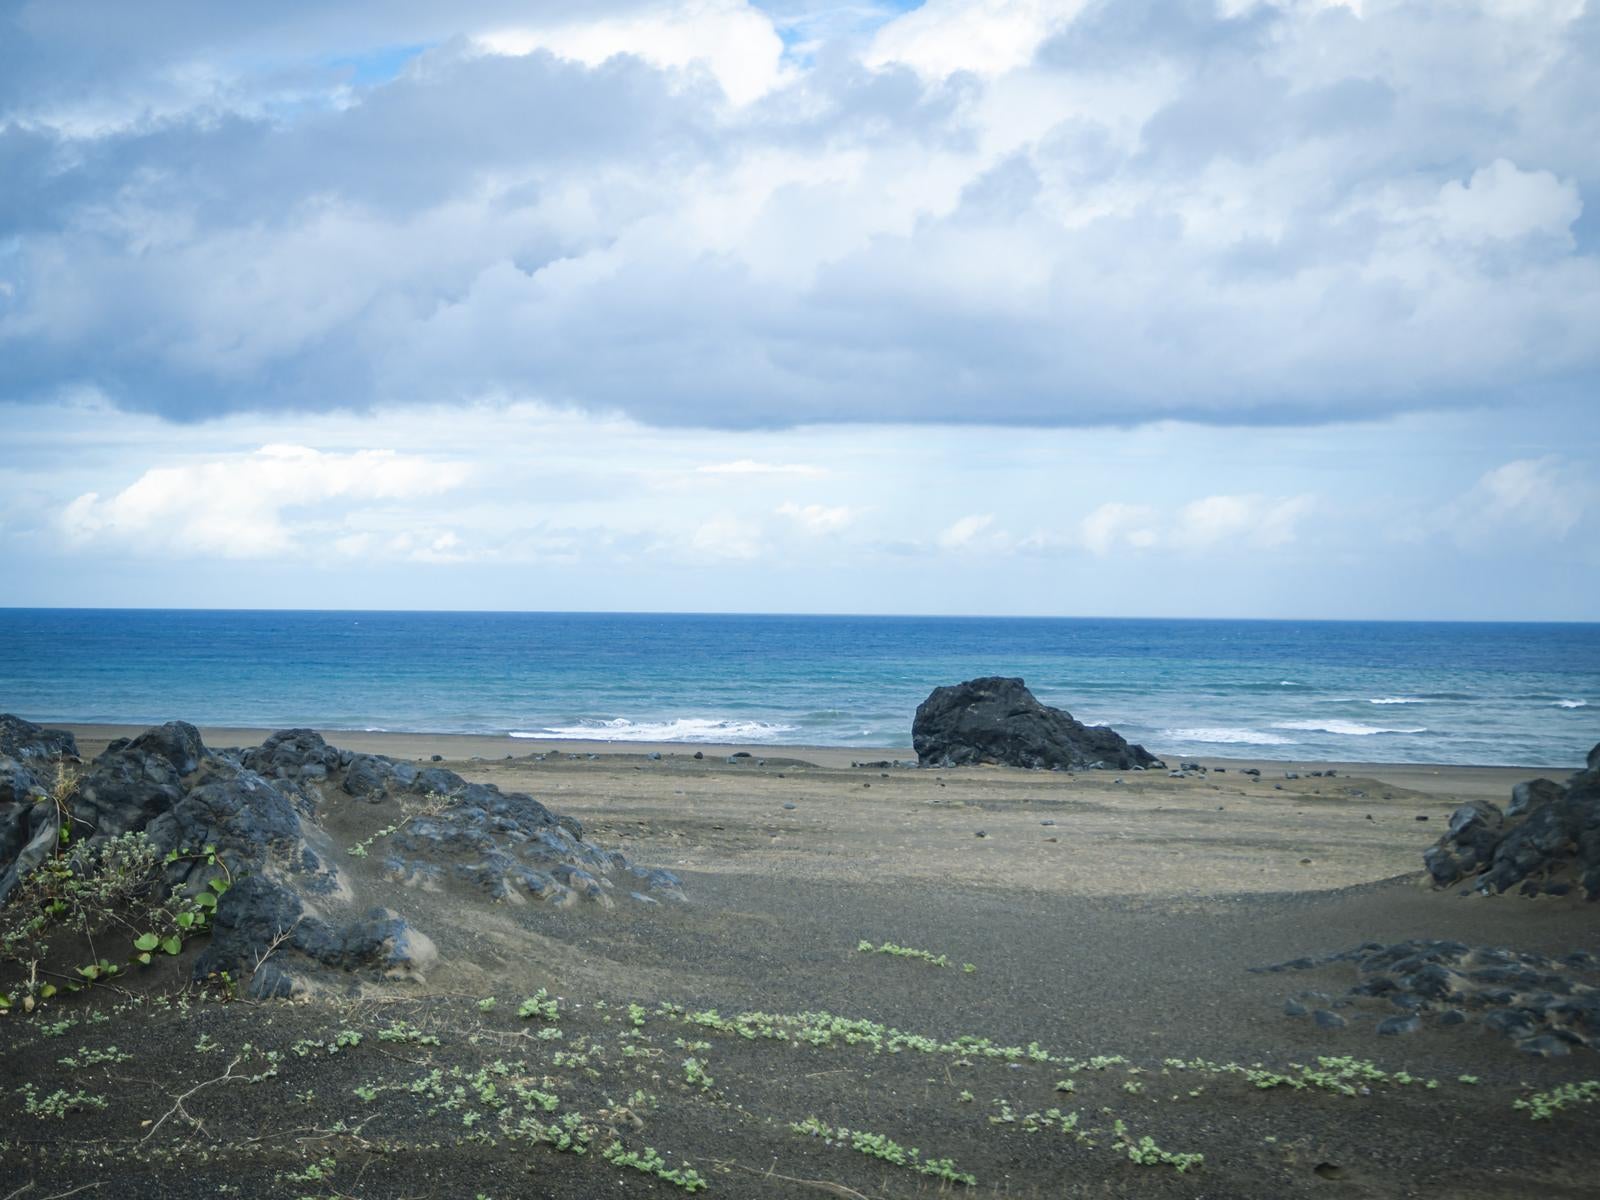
x=172 y=945
x=146 y=941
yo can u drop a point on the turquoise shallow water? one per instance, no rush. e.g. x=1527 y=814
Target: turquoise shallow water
x=1364 y=691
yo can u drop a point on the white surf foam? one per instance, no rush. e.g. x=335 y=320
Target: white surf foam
x=682 y=729
x=1397 y=700
x=1344 y=728
x=1249 y=737
x=1572 y=704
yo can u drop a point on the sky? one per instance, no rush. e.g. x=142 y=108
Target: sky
x=1286 y=308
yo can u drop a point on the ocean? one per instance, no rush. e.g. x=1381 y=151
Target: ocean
x=1525 y=694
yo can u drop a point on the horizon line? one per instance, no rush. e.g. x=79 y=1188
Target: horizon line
x=605 y=612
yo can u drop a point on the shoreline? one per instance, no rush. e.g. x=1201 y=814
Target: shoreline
x=1463 y=779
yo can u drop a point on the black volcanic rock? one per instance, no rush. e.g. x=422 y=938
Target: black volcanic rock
x=998 y=720
x=1546 y=840
x=23 y=740
x=294 y=891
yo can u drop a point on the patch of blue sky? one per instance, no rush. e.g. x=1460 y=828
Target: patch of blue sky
x=372 y=67
x=805 y=24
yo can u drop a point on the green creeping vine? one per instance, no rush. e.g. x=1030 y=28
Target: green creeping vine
x=927 y=956
x=89 y=889
x=1146 y=1153
x=876 y=1145
x=651 y=1163
x=1542 y=1105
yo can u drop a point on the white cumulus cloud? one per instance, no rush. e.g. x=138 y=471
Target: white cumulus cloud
x=817 y=518
x=237 y=507
x=1502 y=202
x=1114 y=522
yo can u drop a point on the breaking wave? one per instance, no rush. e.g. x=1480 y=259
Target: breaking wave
x=1246 y=737
x=1345 y=728
x=681 y=729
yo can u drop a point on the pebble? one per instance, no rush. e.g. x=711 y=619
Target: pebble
x=1546 y=1046
x=789 y=804
x=1423 y=817
x=436 y=758
x=1328 y=1020
x=1293 y=1008
x=1047 y=822
x=981 y=833
x=699 y=753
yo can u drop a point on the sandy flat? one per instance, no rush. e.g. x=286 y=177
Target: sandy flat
x=1103 y=914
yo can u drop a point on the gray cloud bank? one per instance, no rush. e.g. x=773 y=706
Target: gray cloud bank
x=1103 y=213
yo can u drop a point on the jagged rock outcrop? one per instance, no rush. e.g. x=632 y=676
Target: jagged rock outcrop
x=1546 y=1006
x=1546 y=840
x=998 y=720
x=263 y=809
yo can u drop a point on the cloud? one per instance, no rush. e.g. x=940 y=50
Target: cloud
x=990 y=37
x=1113 y=523
x=746 y=466
x=1541 y=497
x=1501 y=202
x=735 y=44
x=1249 y=519
x=817 y=518
x=727 y=538
x=996 y=211
x=237 y=507
x=966 y=532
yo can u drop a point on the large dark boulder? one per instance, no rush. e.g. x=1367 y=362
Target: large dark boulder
x=1547 y=841
x=293 y=916
x=33 y=761
x=998 y=720
x=24 y=740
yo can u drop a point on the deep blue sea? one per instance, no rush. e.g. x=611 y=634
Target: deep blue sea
x=1526 y=694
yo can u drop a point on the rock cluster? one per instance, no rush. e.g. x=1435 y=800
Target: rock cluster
x=1546 y=840
x=1544 y=1005
x=262 y=808
x=998 y=720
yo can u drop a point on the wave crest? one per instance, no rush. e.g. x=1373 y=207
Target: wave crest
x=679 y=729
x=1345 y=728
x=1223 y=735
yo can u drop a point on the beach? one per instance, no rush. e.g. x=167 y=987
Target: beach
x=1111 y=918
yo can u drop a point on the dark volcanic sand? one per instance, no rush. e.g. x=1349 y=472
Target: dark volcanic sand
x=1132 y=934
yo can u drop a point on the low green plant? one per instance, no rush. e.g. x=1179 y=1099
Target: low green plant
x=542 y=1005
x=877 y=1145
x=897 y=951
x=1541 y=1106
x=58 y=1103
x=1146 y=1153
x=108 y=892
x=399 y=1031
x=694 y=1071
x=651 y=1163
